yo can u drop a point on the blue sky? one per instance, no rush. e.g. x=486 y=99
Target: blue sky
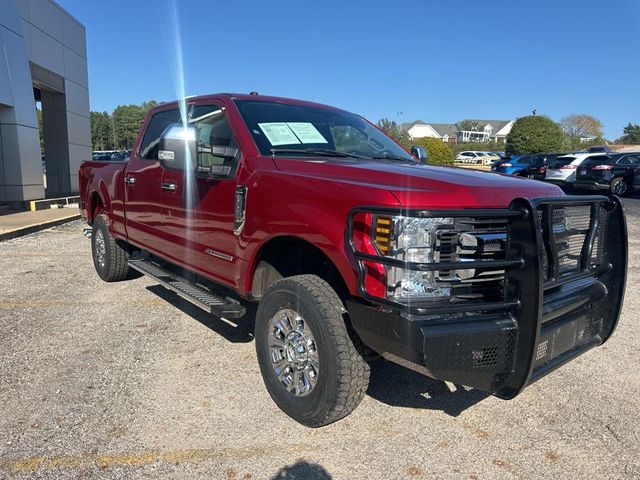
x=439 y=61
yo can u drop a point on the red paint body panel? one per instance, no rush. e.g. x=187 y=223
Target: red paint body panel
x=308 y=198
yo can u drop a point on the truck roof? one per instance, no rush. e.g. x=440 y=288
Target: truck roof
x=247 y=96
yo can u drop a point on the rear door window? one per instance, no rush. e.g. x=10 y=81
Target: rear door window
x=629 y=160
x=561 y=162
x=598 y=160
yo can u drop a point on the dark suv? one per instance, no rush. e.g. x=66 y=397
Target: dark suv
x=538 y=164
x=614 y=172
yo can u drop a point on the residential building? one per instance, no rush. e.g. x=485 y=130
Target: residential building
x=464 y=131
x=483 y=130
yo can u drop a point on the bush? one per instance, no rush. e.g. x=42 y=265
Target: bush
x=438 y=151
x=534 y=134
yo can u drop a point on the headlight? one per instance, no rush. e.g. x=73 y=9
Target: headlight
x=414 y=240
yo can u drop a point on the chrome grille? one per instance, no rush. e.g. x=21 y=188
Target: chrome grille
x=473 y=239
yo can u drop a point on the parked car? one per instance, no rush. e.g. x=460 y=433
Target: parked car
x=350 y=246
x=617 y=173
x=514 y=165
x=562 y=170
x=538 y=164
x=600 y=149
x=484 y=158
x=468 y=157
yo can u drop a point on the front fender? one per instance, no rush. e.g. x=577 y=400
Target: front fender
x=309 y=209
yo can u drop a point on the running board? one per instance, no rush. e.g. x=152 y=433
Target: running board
x=201 y=297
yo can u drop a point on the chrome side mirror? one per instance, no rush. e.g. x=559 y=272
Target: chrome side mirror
x=178 y=147
x=419 y=153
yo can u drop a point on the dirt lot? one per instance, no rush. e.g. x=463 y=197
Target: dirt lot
x=127 y=381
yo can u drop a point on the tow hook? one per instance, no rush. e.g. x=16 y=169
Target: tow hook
x=87 y=232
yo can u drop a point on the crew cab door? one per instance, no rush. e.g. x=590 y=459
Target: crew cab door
x=625 y=167
x=144 y=211
x=199 y=207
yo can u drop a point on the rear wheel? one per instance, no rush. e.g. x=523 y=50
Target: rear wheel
x=110 y=258
x=618 y=186
x=308 y=361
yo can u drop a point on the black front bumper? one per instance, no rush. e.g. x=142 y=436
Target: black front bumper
x=546 y=319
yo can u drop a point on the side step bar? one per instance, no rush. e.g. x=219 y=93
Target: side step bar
x=201 y=297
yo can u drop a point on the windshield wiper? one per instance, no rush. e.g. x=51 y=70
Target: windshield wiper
x=391 y=156
x=320 y=152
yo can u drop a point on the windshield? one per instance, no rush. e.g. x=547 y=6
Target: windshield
x=298 y=130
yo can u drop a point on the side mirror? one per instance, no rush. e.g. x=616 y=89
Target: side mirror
x=420 y=153
x=178 y=149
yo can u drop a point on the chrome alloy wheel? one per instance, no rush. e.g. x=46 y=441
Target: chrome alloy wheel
x=100 y=248
x=293 y=351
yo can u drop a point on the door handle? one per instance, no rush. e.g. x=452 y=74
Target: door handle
x=171 y=186
x=129 y=180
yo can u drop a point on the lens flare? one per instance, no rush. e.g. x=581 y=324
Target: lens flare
x=179 y=82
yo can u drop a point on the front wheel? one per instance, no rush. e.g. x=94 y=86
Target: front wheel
x=309 y=363
x=618 y=186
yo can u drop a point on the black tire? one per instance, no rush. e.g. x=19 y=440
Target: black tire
x=343 y=375
x=618 y=187
x=113 y=265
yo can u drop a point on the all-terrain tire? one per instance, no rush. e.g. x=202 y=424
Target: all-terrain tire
x=343 y=375
x=110 y=258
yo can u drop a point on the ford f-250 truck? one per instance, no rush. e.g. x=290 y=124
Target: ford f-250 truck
x=353 y=248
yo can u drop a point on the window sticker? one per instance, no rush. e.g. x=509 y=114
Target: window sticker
x=278 y=133
x=307 y=132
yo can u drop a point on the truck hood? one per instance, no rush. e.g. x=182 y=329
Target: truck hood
x=422 y=186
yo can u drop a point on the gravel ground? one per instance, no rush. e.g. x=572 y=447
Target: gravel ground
x=127 y=381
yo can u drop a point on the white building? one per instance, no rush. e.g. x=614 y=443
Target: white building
x=484 y=130
x=464 y=131
x=43 y=57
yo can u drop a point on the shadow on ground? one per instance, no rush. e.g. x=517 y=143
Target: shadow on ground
x=390 y=383
x=235 y=331
x=400 y=387
x=302 y=470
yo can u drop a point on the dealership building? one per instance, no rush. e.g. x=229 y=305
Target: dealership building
x=43 y=58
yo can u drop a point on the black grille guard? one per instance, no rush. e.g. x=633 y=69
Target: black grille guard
x=530 y=240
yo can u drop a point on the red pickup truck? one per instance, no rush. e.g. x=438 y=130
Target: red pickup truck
x=353 y=247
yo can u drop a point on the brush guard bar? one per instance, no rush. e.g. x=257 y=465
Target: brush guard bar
x=549 y=314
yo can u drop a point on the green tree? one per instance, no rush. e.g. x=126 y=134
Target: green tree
x=438 y=152
x=631 y=135
x=392 y=129
x=581 y=125
x=388 y=126
x=40 y=128
x=534 y=134
x=148 y=105
x=101 y=131
x=469 y=126
x=126 y=124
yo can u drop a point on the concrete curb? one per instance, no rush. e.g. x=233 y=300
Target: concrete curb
x=19 y=232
